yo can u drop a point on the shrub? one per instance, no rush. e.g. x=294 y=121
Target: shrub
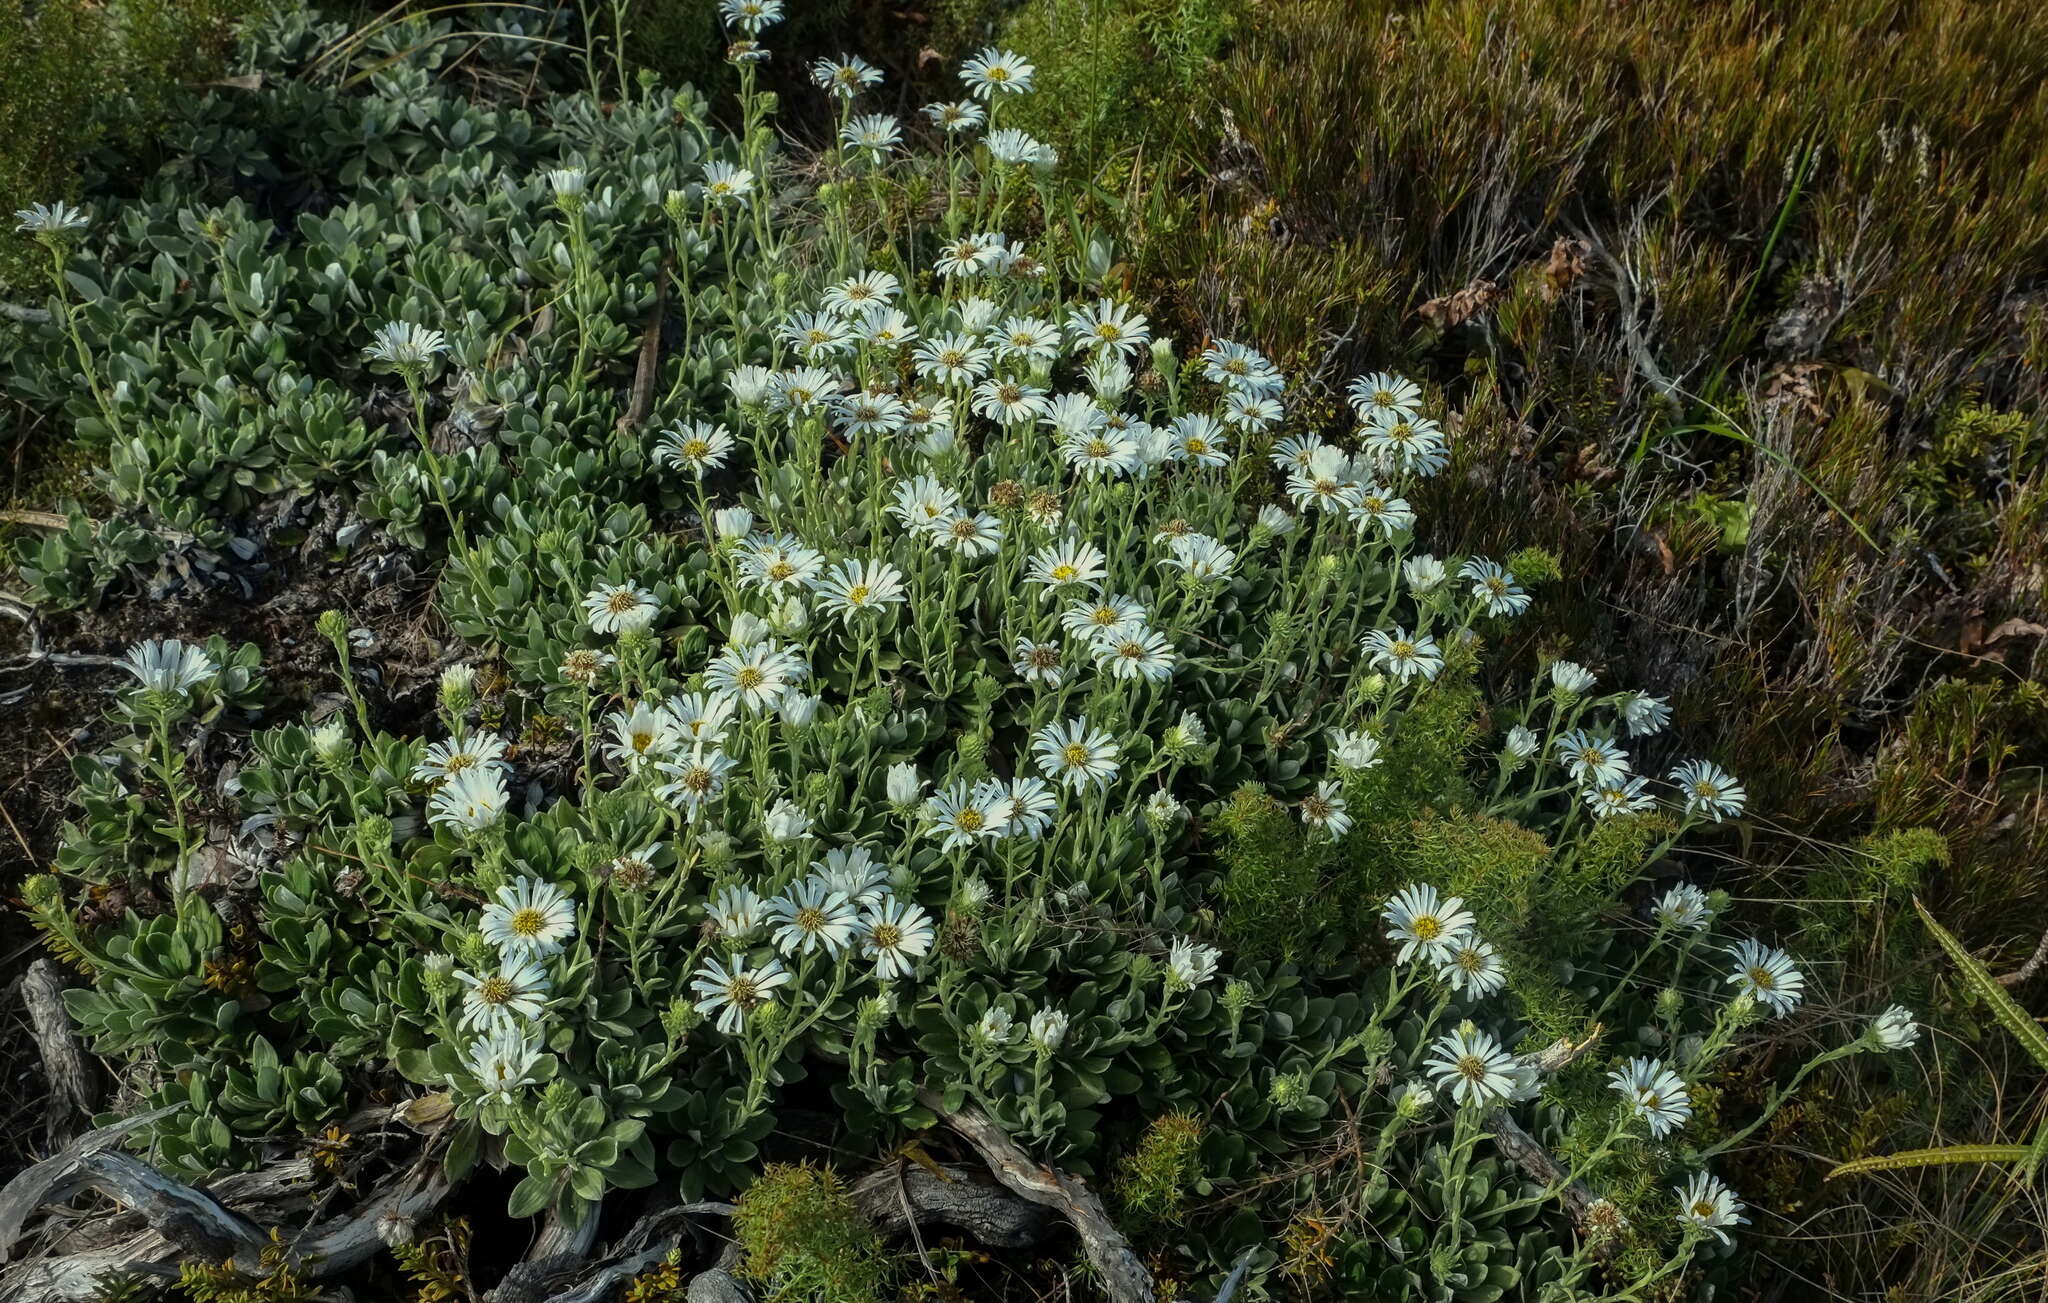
x=864 y=614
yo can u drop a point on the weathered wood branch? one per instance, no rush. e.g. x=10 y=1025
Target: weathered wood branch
x=1124 y=1277
x=906 y=1194
x=73 y=1081
x=177 y=1221
x=27 y=316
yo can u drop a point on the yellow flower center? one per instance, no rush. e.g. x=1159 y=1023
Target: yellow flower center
x=969 y=820
x=886 y=936
x=857 y=595
x=1427 y=928
x=749 y=678
x=620 y=602
x=494 y=990
x=1075 y=754
x=528 y=923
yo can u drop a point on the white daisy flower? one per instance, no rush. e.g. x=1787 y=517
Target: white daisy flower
x=615 y=608
x=695 y=780
x=857 y=586
x=1895 y=1029
x=1382 y=395
x=896 y=934
x=1199 y=439
x=1240 y=369
x=1108 y=325
x=736 y=911
x=1375 y=509
x=1037 y=663
x=1011 y=147
x=518 y=989
x=1102 y=453
x=1571 y=678
x=1683 y=907
x=643 y=736
x=756 y=674
x=1495 y=588
x=976 y=535
x=1424 y=923
x=1277 y=521
x=1189 y=964
x=1048 y=1029
x=955 y=116
x=1075 y=755
x=994 y=71
x=852 y=871
x=1591 y=758
x=1142 y=654
x=1070 y=561
x=472 y=799
x=1411 y=445
x=1324 y=809
x=856 y=295
x=875 y=134
x=1653 y=1093
x=1767 y=975
x=961 y=815
x=1521 y=742
x=1708 y=1207
x=1644 y=714
x=726 y=183
x=1105 y=617
x=529 y=917
x=845 y=76
x=1620 y=796
x=904 y=784
x=1709 y=790
x=168 y=666
x=1029 y=802
x=1402 y=655
x=1471 y=1064
x=1472 y=966
x=694 y=448
x=1027 y=339
x=701 y=718
x=1424 y=573
x=785 y=821
x=1354 y=748
x=812 y=916
x=502 y=1059
x=463 y=751
x=732 y=990
x=55 y=219
x=995 y=1026
x=405 y=345
x=1200 y=556
x=1009 y=402
x=805 y=389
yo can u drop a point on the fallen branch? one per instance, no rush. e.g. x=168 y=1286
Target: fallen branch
x=905 y=1195
x=178 y=1221
x=73 y=1083
x=562 y=1276
x=27 y=316
x=2028 y=969
x=1124 y=1277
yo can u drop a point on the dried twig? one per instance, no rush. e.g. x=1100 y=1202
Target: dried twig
x=1124 y=1277
x=2028 y=969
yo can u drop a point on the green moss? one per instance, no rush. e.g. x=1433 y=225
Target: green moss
x=804 y=1239
x=1270 y=880
x=1154 y=1180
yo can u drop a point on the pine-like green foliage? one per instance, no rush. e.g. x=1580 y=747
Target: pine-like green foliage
x=804 y=1239
x=1270 y=876
x=1154 y=1180
x=75 y=72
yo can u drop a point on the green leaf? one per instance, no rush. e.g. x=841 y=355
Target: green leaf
x=1945 y=1156
x=528 y=1197
x=1986 y=988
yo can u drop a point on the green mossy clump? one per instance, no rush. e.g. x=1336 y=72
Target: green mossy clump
x=1271 y=876
x=804 y=1239
x=1154 y=1180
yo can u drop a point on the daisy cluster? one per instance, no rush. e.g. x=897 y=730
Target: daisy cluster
x=866 y=708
